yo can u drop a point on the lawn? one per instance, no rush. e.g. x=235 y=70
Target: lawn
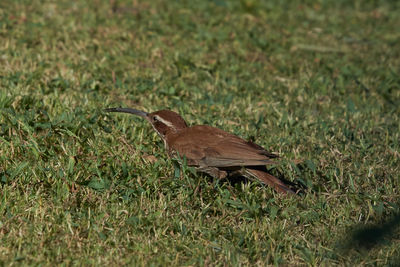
x=316 y=82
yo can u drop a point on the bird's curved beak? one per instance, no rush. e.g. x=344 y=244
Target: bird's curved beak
x=130 y=111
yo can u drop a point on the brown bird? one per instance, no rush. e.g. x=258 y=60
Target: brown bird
x=211 y=150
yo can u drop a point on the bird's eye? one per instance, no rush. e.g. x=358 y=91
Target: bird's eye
x=155 y=118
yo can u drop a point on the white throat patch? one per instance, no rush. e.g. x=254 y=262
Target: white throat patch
x=169 y=124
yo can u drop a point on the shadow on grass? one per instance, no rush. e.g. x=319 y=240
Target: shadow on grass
x=363 y=238
x=370 y=236
x=298 y=187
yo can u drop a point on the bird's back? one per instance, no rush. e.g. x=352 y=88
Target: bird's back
x=210 y=146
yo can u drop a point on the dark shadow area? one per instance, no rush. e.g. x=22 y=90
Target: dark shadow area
x=234 y=179
x=363 y=238
x=370 y=236
x=296 y=186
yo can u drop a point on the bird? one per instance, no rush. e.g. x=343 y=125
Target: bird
x=211 y=150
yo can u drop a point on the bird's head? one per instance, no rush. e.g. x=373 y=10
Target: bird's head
x=163 y=121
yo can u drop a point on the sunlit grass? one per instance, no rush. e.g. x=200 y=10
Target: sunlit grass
x=317 y=83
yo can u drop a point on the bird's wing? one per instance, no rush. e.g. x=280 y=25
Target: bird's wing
x=209 y=146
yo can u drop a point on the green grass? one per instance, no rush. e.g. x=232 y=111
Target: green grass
x=316 y=82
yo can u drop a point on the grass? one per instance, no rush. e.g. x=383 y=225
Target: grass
x=316 y=82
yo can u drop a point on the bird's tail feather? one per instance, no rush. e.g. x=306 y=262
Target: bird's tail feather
x=270 y=180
